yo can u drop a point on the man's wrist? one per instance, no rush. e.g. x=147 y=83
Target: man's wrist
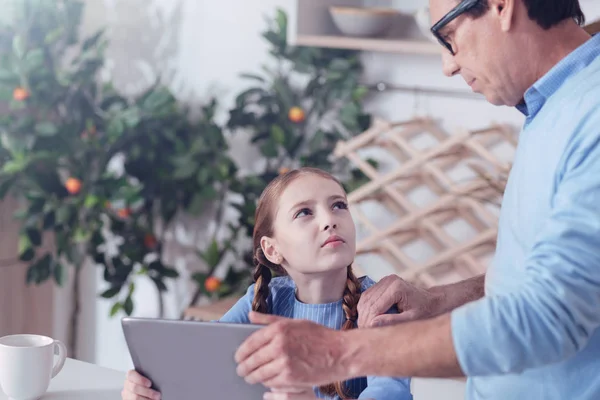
x=354 y=352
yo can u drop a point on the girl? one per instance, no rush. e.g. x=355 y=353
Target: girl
x=305 y=233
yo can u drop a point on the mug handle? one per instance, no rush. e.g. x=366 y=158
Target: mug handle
x=62 y=356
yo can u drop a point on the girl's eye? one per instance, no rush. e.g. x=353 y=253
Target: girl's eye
x=341 y=205
x=301 y=213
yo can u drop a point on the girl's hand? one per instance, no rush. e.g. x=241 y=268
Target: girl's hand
x=291 y=394
x=137 y=387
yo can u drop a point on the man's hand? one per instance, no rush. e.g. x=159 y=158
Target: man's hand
x=413 y=303
x=291 y=353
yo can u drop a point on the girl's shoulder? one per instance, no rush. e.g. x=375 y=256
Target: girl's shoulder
x=365 y=283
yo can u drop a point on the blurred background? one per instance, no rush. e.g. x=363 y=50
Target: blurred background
x=136 y=136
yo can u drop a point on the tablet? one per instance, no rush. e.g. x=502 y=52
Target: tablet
x=190 y=359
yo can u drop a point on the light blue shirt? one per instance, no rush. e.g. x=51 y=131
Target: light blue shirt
x=284 y=303
x=535 y=335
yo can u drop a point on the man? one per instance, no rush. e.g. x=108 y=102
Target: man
x=535 y=334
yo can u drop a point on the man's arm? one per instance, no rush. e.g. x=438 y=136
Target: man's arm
x=413 y=302
x=457 y=294
x=417 y=349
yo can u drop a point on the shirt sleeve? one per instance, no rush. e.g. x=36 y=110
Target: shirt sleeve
x=384 y=388
x=239 y=312
x=554 y=311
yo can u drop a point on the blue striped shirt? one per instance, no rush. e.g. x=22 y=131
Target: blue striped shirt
x=536 y=333
x=283 y=302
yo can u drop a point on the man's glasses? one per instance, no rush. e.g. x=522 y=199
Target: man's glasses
x=463 y=7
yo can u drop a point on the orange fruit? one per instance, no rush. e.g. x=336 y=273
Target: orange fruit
x=73 y=185
x=283 y=170
x=212 y=284
x=124 y=212
x=20 y=94
x=150 y=241
x=296 y=115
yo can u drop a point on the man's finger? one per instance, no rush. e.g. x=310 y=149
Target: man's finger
x=263 y=319
x=255 y=361
x=265 y=372
x=369 y=300
x=391 y=319
x=255 y=341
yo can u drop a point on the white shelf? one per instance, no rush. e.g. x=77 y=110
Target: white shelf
x=312 y=26
x=367 y=44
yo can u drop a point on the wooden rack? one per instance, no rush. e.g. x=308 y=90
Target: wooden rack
x=471 y=200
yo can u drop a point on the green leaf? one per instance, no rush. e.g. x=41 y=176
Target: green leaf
x=131 y=117
x=39 y=271
x=281 y=19
x=278 y=134
x=15 y=166
x=53 y=35
x=359 y=92
x=170 y=273
x=160 y=285
x=111 y=292
x=34 y=60
x=128 y=306
x=49 y=220
x=115 y=309
x=211 y=255
x=116 y=127
x=46 y=129
x=5 y=186
x=203 y=176
x=63 y=215
x=253 y=77
x=59 y=273
x=18 y=46
x=92 y=41
x=186 y=171
x=35 y=237
x=91 y=201
x=24 y=244
x=81 y=235
x=197 y=204
x=269 y=149
x=27 y=255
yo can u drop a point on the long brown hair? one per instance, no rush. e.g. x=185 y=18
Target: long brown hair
x=263 y=226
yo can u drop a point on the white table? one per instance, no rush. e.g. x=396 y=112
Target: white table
x=83 y=381
x=79 y=380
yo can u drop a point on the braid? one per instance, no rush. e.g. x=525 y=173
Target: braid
x=262 y=278
x=349 y=305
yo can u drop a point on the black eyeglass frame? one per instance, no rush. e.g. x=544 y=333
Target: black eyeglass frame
x=460 y=9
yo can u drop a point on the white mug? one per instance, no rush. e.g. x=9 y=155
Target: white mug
x=26 y=365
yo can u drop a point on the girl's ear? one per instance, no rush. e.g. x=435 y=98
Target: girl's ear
x=269 y=248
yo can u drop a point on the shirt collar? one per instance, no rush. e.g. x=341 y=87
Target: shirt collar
x=547 y=85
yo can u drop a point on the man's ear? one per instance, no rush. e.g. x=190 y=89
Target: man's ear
x=505 y=11
x=269 y=248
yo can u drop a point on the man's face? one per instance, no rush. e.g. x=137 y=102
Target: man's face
x=480 y=51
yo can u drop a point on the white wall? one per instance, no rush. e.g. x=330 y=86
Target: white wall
x=203 y=46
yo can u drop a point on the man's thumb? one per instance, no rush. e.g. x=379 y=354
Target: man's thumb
x=263 y=319
x=391 y=319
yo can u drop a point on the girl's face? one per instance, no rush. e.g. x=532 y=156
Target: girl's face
x=313 y=229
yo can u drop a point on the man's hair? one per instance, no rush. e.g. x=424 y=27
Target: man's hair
x=546 y=13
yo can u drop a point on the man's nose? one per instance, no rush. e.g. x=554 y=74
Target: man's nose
x=449 y=65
